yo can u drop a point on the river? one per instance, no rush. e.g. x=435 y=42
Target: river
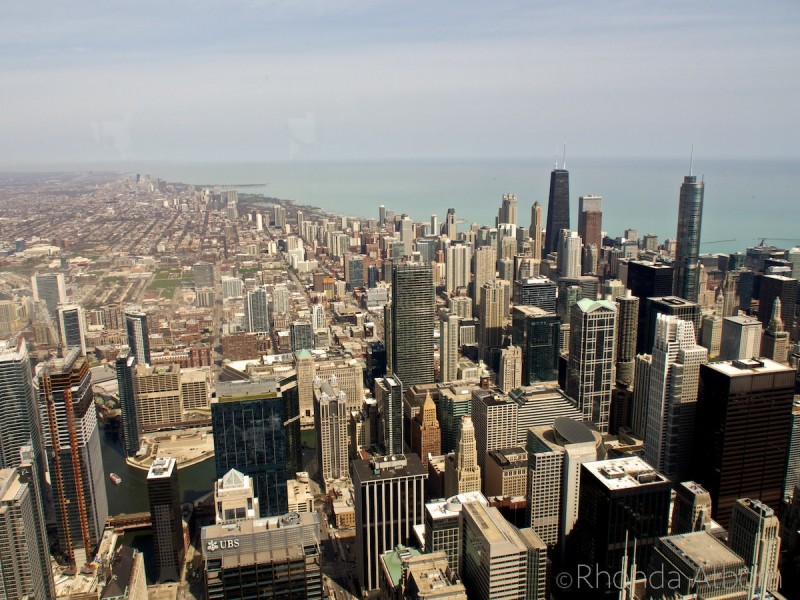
x=130 y=496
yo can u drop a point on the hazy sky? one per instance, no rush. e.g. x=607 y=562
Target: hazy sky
x=234 y=80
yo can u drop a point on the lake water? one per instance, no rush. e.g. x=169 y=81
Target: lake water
x=744 y=200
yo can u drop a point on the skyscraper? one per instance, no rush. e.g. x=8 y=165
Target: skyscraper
x=509 y=374
x=508 y=210
x=302 y=335
x=50 y=289
x=778 y=286
x=555 y=455
x=257 y=432
x=499 y=560
x=775 y=341
x=690 y=217
x=389 y=503
x=495 y=417
x=125 y=366
x=389 y=394
x=278 y=557
x=165 y=510
x=448 y=345
x=451 y=224
x=72 y=443
x=426 y=435
x=591 y=371
x=623 y=502
x=745 y=408
x=493 y=310
x=754 y=535
x=590 y=220
x=413 y=322
x=485 y=269
x=741 y=338
x=24 y=552
x=672 y=397
x=535 y=232
x=20 y=424
x=537 y=332
x=72 y=324
x=457 y=266
x=463 y=474
x=557 y=209
x=627 y=328
x=256 y=311
x=670 y=305
x=331 y=419
x=569 y=254
x=138 y=336
x=536 y=291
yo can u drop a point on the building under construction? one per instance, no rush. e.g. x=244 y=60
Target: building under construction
x=72 y=445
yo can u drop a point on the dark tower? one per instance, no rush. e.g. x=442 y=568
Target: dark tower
x=165 y=511
x=413 y=322
x=557 y=208
x=690 y=217
x=744 y=409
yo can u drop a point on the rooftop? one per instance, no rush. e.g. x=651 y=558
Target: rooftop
x=747 y=367
x=388 y=467
x=625 y=473
x=702 y=550
x=162 y=468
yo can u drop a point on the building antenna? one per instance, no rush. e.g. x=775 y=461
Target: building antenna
x=565 y=157
x=556 y=156
x=691 y=160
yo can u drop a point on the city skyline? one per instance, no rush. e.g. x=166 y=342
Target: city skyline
x=352 y=80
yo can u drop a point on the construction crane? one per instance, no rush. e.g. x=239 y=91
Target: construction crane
x=715 y=242
x=765 y=239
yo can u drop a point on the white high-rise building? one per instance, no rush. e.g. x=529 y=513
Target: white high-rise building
x=318 y=319
x=458 y=261
x=500 y=561
x=232 y=287
x=672 y=397
x=741 y=338
x=753 y=534
x=281 y=300
x=256 y=311
x=495 y=417
x=72 y=324
x=569 y=254
x=448 y=346
x=24 y=552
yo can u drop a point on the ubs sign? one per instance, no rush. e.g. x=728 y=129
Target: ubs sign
x=229 y=544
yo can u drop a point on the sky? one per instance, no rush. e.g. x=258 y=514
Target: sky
x=238 y=80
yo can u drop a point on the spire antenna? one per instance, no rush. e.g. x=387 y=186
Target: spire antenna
x=564 y=166
x=691 y=160
x=556 y=157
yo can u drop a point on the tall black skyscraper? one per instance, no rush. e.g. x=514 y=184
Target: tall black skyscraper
x=413 y=322
x=744 y=409
x=690 y=217
x=557 y=208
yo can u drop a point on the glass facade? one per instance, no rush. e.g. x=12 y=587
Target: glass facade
x=255 y=435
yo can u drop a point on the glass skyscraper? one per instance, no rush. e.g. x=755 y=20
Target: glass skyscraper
x=690 y=217
x=557 y=209
x=256 y=429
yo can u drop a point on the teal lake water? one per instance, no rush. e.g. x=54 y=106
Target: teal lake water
x=744 y=200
